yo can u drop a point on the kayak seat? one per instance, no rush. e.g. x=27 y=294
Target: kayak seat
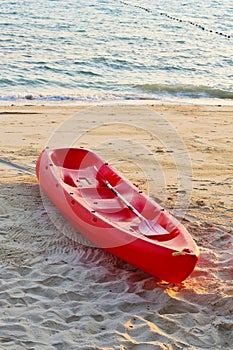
x=68 y=178
x=75 y=178
x=107 y=205
x=112 y=209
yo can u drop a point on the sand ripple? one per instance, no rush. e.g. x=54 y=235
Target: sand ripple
x=59 y=294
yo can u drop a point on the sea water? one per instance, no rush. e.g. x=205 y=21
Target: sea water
x=78 y=50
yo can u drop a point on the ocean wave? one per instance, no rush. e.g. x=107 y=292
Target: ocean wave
x=190 y=91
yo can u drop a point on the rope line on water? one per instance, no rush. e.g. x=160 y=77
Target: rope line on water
x=178 y=19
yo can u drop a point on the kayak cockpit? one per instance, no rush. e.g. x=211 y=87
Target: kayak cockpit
x=82 y=180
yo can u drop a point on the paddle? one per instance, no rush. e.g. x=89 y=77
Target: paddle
x=146 y=227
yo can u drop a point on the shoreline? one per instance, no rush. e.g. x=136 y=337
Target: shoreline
x=62 y=102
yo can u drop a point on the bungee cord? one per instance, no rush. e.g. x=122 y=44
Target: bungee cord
x=177 y=19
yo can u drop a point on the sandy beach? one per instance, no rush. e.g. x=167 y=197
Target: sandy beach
x=60 y=294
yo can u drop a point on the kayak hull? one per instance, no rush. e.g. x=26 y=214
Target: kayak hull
x=69 y=177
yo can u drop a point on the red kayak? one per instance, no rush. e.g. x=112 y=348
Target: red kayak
x=115 y=215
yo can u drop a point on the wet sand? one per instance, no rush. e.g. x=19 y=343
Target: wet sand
x=57 y=294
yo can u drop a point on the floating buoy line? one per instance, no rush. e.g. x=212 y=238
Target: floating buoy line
x=177 y=19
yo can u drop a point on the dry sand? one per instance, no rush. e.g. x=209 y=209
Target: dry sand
x=57 y=294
